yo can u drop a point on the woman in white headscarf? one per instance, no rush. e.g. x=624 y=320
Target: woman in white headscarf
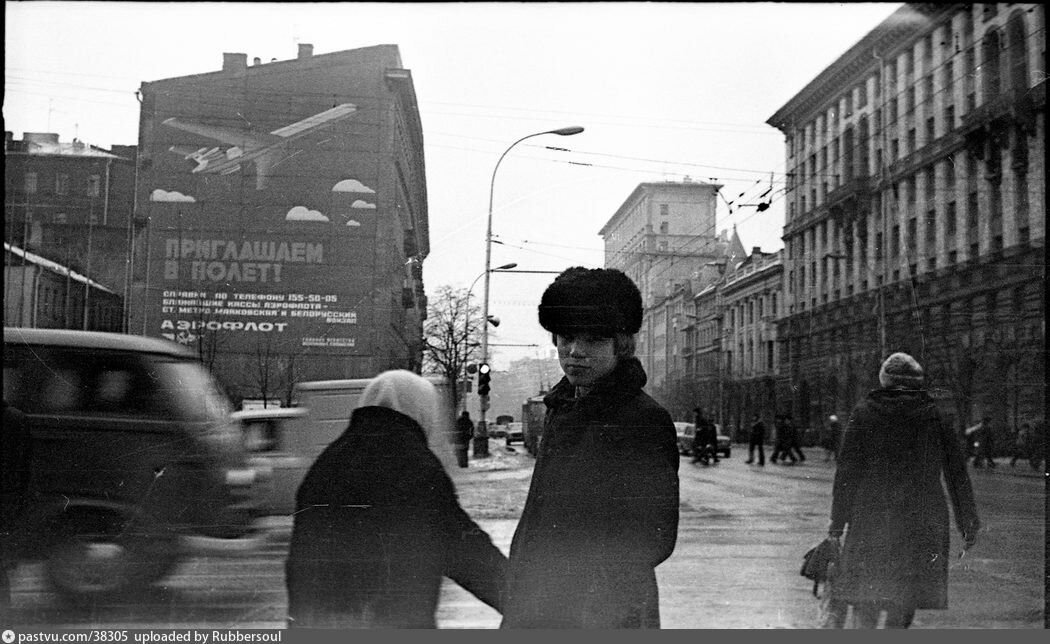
x=378 y=524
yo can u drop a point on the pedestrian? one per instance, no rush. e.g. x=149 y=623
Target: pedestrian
x=983 y=443
x=464 y=432
x=705 y=440
x=602 y=507
x=377 y=523
x=1021 y=443
x=16 y=452
x=782 y=440
x=889 y=499
x=794 y=439
x=831 y=437
x=756 y=439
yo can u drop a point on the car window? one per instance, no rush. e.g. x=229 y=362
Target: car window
x=261 y=436
x=193 y=393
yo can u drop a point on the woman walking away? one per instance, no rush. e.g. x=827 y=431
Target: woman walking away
x=889 y=499
x=377 y=522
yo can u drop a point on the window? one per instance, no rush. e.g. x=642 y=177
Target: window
x=30 y=183
x=61 y=184
x=913 y=233
x=931 y=131
x=949 y=80
x=94 y=184
x=1018 y=61
x=949 y=119
x=931 y=228
x=862 y=95
x=971 y=211
x=931 y=182
x=892 y=110
x=990 y=52
x=895 y=242
x=663 y=227
x=61 y=218
x=949 y=219
x=664 y=210
x=911 y=141
x=953 y=257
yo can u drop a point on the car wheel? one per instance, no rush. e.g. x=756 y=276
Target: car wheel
x=93 y=557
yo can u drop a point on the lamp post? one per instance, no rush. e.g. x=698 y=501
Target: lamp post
x=484 y=402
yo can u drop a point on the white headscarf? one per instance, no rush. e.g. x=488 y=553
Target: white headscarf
x=407 y=393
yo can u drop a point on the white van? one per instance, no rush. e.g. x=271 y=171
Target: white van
x=293 y=437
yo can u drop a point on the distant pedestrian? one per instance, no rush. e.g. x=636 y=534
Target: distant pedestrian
x=16 y=452
x=794 y=439
x=705 y=440
x=377 y=524
x=602 y=508
x=832 y=434
x=1022 y=443
x=464 y=432
x=983 y=443
x=782 y=440
x=756 y=439
x=889 y=499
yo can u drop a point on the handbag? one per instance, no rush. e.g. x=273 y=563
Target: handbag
x=819 y=562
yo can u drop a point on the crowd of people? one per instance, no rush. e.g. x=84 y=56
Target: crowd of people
x=378 y=523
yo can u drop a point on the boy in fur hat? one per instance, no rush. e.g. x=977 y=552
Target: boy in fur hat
x=602 y=509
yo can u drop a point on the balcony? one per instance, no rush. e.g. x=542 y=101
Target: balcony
x=1019 y=106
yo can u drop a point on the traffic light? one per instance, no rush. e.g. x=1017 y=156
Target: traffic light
x=483 y=379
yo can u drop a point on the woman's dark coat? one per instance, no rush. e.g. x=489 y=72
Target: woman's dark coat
x=888 y=491
x=377 y=525
x=601 y=513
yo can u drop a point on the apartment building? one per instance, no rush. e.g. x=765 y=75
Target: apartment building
x=67 y=208
x=288 y=216
x=659 y=237
x=916 y=214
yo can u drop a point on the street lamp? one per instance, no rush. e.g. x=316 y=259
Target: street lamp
x=565 y=131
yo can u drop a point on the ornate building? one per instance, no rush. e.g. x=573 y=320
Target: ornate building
x=916 y=214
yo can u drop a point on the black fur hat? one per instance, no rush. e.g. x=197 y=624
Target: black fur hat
x=602 y=301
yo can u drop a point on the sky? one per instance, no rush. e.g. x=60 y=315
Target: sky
x=664 y=91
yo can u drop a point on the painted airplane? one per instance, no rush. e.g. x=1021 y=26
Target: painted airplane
x=266 y=150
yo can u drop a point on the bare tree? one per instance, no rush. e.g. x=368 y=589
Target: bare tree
x=268 y=370
x=452 y=336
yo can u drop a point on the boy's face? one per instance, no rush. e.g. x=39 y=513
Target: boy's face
x=585 y=358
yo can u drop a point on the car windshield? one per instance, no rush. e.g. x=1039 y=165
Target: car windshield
x=192 y=388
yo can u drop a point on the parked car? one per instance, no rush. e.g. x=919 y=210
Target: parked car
x=725 y=444
x=499 y=430
x=269 y=438
x=515 y=433
x=687 y=431
x=136 y=463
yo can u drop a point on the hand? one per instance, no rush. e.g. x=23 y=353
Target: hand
x=969 y=539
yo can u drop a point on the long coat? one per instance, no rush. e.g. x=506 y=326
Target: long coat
x=888 y=491
x=601 y=513
x=377 y=525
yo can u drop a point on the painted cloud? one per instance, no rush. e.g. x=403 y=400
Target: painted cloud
x=352 y=185
x=361 y=203
x=301 y=213
x=353 y=222
x=164 y=195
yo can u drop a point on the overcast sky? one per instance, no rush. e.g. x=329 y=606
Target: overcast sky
x=664 y=90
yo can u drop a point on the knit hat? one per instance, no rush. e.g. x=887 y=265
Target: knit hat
x=602 y=301
x=901 y=370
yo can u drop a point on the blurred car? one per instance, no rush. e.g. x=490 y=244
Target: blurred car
x=136 y=463
x=515 y=433
x=268 y=437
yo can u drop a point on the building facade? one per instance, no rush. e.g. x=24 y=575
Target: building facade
x=69 y=205
x=749 y=300
x=288 y=218
x=659 y=237
x=916 y=214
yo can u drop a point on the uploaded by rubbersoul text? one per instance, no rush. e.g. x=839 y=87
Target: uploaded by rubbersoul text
x=143 y=636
